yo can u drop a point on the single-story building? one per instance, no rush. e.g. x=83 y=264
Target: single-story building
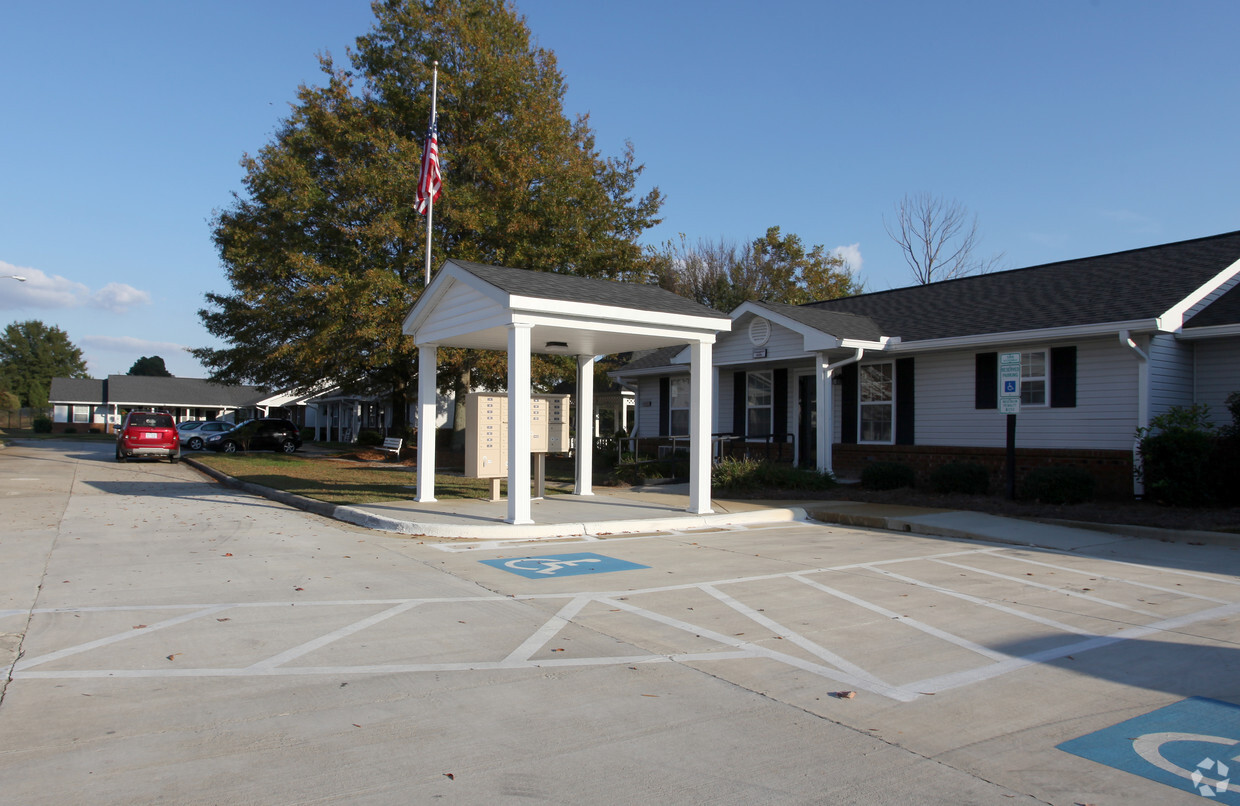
x=911 y=374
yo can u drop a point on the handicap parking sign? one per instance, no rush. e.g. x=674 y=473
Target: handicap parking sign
x=1192 y=745
x=562 y=565
x=1009 y=388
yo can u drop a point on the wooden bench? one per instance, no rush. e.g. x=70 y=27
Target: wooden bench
x=393 y=444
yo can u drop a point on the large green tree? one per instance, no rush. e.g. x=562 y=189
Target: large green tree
x=31 y=354
x=324 y=250
x=774 y=268
x=150 y=365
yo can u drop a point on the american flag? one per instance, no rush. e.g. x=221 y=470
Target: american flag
x=430 y=183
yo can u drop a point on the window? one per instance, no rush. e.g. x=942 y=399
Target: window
x=678 y=408
x=758 y=399
x=1033 y=378
x=81 y=414
x=876 y=386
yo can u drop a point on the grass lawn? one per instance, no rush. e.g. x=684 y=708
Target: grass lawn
x=342 y=481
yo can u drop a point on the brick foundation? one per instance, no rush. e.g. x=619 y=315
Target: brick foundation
x=1112 y=470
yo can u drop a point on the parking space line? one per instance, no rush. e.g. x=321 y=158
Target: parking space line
x=324 y=640
x=548 y=630
x=26 y=663
x=1058 y=625
x=943 y=635
x=1109 y=578
x=1042 y=586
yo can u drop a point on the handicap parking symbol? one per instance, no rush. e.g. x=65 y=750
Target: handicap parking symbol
x=562 y=565
x=1192 y=745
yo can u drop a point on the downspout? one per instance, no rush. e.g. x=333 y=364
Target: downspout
x=826 y=410
x=1143 y=402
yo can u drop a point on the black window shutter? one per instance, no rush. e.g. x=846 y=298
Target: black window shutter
x=740 y=396
x=986 y=381
x=779 y=417
x=848 y=405
x=1063 y=377
x=904 y=402
x=665 y=406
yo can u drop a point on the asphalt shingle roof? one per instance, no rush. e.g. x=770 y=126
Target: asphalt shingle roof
x=838 y=323
x=571 y=288
x=1124 y=286
x=75 y=390
x=1223 y=311
x=149 y=390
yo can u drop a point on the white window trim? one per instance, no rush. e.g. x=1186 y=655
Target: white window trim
x=891 y=404
x=1045 y=378
x=672 y=408
x=770 y=407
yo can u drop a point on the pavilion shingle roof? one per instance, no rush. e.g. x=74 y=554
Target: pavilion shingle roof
x=571 y=288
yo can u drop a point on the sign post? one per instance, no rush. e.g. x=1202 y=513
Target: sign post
x=1009 y=404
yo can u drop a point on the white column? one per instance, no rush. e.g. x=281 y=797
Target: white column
x=519 y=423
x=826 y=412
x=699 y=427
x=585 y=426
x=428 y=359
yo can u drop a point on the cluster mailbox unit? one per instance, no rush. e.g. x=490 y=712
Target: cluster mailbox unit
x=486 y=441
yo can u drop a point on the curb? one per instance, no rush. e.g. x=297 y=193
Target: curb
x=507 y=531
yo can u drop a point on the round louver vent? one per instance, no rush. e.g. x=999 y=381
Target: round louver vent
x=759 y=331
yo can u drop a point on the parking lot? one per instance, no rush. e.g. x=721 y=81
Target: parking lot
x=181 y=642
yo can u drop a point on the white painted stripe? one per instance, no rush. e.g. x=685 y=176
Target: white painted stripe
x=1109 y=578
x=818 y=651
x=865 y=683
x=26 y=663
x=964 y=643
x=957 y=679
x=548 y=630
x=324 y=640
x=1053 y=589
x=984 y=603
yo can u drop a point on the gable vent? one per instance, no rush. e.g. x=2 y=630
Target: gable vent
x=759 y=331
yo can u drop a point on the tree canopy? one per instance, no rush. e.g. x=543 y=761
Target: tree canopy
x=152 y=366
x=324 y=249
x=31 y=354
x=774 y=268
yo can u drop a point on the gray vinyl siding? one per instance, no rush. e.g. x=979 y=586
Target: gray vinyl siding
x=735 y=347
x=1171 y=374
x=1218 y=375
x=647 y=415
x=1104 y=416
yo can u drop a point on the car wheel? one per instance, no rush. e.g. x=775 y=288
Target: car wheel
x=174 y=458
x=195 y=444
x=120 y=457
x=229 y=447
x=288 y=446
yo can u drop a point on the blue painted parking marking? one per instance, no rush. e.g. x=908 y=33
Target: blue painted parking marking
x=1193 y=745
x=562 y=565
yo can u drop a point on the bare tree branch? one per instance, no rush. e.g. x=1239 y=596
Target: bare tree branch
x=938 y=238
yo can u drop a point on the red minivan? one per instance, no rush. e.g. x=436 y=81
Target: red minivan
x=147 y=433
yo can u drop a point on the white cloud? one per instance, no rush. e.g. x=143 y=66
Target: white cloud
x=54 y=292
x=851 y=256
x=128 y=344
x=119 y=297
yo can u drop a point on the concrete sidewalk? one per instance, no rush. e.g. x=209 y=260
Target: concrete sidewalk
x=662 y=508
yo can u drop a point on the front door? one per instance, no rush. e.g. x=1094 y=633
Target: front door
x=807 y=421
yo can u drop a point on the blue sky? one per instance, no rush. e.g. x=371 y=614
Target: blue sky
x=1071 y=128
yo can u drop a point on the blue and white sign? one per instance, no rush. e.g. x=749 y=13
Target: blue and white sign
x=562 y=565
x=1193 y=745
x=1009 y=383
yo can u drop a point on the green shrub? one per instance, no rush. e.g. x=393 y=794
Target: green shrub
x=42 y=425
x=369 y=437
x=888 y=476
x=1176 y=457
x=968 y=478
x=745 y=475
x=1058 y=485
x=69 y=430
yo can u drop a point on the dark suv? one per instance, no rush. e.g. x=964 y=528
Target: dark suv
x=266 y=434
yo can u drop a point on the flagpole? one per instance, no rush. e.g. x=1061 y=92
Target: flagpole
x=430 y=202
